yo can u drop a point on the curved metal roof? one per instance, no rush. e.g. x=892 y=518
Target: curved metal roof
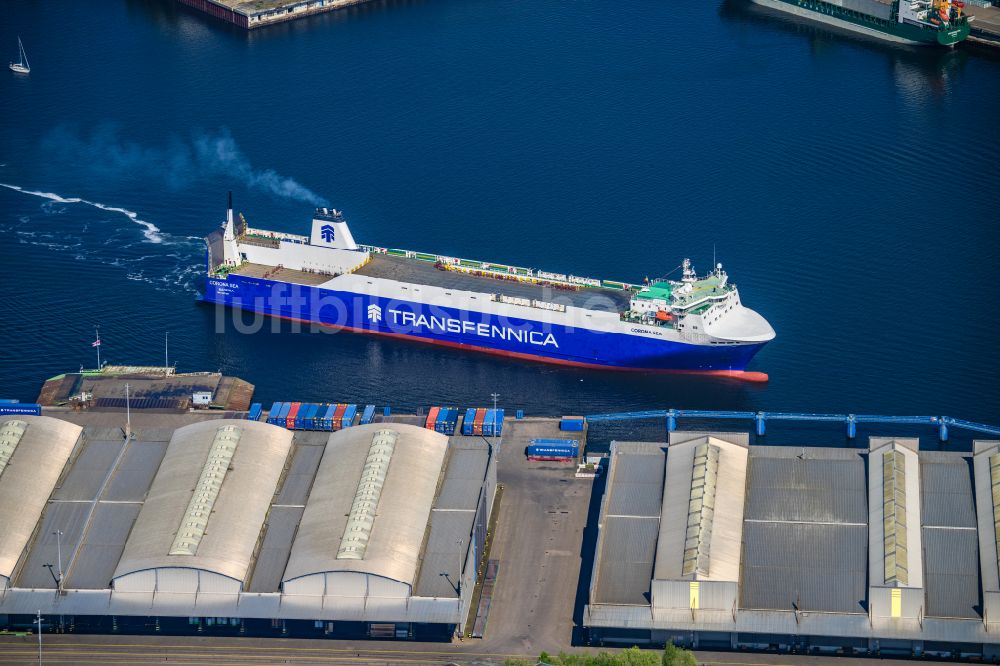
x=232 y=513
x=35 y=455
x=404 y=503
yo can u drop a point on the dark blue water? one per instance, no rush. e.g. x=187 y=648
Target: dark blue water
x=850 y=189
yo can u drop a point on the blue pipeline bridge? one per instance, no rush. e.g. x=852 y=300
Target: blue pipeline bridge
x=760 y=419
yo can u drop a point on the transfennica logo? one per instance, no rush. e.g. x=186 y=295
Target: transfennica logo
x=374 y=313
x=326 y=233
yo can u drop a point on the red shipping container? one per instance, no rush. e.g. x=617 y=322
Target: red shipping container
x=477 y=425
x=432 y=417
x=292 y=413
x=338 y=416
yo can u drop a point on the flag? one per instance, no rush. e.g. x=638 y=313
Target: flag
x=96 y=343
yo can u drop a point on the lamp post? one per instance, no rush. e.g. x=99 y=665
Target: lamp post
x=128 y=416
x=38 y=619
x=458 y=585
x=495 y=396
x=59 y=535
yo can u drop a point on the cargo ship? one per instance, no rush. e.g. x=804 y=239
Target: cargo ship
x=695 y=324
x=918 y=22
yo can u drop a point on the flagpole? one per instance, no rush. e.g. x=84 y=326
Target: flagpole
x=97 y=333
x=166 y=347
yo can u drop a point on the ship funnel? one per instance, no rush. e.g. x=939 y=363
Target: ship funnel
x=229 y=209
x=329 y=229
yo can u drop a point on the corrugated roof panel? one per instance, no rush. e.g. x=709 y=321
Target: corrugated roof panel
x=89 y=469
x=441 y=557
x=136 y=471
x=807 y=489
x=951 y=572
x=68 y=517
x=463 y=479
x=637 y=487
x=299 y=479
x=809 y=566
x=94 y=565
x=282 y=523
x=625 y=563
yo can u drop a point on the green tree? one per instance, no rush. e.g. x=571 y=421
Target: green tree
x=677 y=656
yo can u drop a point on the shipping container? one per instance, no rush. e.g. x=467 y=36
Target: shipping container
x=338 y=416
x=571 y=443
x=328 y=412
x=477 y=423
x=552 y=452
x=431 y=419
x=386 y=411
x=256 y=409
x=9 y=401
x=20 y=409
x=272 y=416
x=300 y=417
x=467 y=421
x=282 y=419
x=368 y=415
x=493 y=423
x=349 y=414
x=571 y=423
x=452 y=422
x=310 y=419
x=441 y=422
x=293 y=413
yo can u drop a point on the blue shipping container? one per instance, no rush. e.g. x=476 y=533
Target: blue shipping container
x=20 y=408
x=470 y=417
x=255 y=411
x=272 y=416
x=549 y=451
x=368 y=415
x=349 y=414
x=573 y=443
x=286 y=407
x=386 y=411
x=493 y=423
x=9 y=401
x=571 y=424
x=314 y=416
x=452 y=422
x=442 y=420
x=326 y=420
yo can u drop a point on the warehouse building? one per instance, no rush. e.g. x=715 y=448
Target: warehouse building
x=710 y=543
x=240 y=527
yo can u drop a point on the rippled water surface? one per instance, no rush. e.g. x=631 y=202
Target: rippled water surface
x=850 y=189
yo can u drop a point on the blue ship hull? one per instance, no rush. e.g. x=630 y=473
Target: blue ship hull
x=469 y=329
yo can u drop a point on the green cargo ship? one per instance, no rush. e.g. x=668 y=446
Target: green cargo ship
x=921 y=22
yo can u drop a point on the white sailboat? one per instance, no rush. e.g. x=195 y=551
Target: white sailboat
x=22 y=66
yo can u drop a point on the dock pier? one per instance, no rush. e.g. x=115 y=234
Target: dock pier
x=250 y=14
